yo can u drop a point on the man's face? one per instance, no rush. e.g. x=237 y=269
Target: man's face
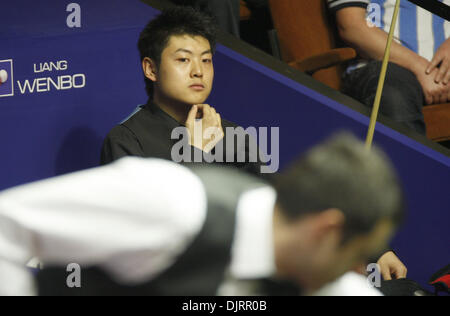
x=186 y=71
x=327 y=259
x=355 y=253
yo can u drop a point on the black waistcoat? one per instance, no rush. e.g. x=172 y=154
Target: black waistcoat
x=198 y=271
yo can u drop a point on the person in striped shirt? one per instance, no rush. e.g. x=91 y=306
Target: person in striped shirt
x=419 y=69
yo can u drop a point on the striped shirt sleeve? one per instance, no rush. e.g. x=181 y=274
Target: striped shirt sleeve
x=335 y=5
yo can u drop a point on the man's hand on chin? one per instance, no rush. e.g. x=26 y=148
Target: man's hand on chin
x=205 y=127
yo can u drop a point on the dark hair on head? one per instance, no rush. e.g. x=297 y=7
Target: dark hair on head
x=342 y=174
x=178 y=20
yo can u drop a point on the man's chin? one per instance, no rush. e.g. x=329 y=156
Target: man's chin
x=192 y=101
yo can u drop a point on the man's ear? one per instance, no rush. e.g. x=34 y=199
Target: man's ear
x=329 y=221
x=150 y=69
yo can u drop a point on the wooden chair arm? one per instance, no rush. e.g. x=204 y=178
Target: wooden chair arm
x=331 y=58
x=437 y=120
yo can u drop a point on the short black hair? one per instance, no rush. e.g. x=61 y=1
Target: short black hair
x=341 y=173
x=175 y=21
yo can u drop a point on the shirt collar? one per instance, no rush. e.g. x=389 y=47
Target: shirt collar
x=253 y=249
x=157 y=111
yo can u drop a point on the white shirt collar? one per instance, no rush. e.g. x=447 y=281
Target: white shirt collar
x=253 y=249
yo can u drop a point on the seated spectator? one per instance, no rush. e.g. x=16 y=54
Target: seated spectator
x=226 y=12
x=419 y=66
x=177 y=51
x=150 y=226
x=255 y=31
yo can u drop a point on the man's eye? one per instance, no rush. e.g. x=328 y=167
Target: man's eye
x=208 y=61
x=183 y=60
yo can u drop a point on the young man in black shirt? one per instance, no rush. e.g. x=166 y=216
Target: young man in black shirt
x=177 y=60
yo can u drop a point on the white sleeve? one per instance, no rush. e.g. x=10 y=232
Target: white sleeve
x=132 y=217
x=336 y=5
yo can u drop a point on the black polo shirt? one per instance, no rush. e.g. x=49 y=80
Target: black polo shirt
x=148 y=134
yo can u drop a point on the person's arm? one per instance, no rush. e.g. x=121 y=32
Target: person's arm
x=120 y=142
x=109 y=216
x=252 y=153
x=245 y=152
x=206 y=132
x=370 y=42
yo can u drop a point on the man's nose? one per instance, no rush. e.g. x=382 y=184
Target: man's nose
x=197 y=69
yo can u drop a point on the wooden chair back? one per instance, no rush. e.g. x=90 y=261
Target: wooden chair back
x=305 y=29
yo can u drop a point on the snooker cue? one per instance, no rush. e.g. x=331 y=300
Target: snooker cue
x=376 y=104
